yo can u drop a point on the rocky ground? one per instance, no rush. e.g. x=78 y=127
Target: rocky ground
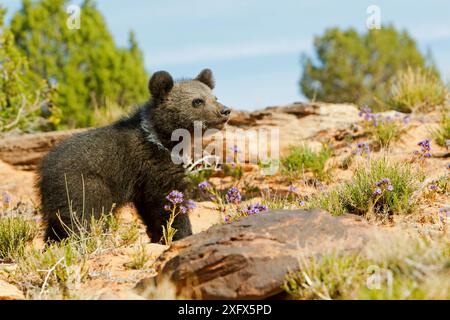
x=109 y=275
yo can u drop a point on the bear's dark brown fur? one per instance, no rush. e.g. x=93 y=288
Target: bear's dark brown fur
x=128 y=161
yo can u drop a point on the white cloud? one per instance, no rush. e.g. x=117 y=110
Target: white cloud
x=225 y=52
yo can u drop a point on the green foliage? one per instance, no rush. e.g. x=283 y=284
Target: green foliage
x=24 y=106
x=85 y=64
x=15 y=233
x=417 y=90
x=442 y=134
x=139 y=257
x=200 y=175
x=402 y=267
x=130 y=234
x=59 y=264
x=358 y=195
x=233 y=170
x=384 y=130
x=358 y=68
x=302 y=158
x=387 y=131
x=327 y=277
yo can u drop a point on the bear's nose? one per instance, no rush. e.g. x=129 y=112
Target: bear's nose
x=225 y=111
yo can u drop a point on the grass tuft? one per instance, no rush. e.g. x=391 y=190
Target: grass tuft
x=303 y=158
x=365 y=195
x=15 y=233
x=442 y=134
x=417 y=90
x=397 y=267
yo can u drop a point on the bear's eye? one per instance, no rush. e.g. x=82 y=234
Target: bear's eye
x=197 y=102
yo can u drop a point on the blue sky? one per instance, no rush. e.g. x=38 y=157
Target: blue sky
x=254 y=46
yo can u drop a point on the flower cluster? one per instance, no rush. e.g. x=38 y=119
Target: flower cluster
x=204 y=185
x=363 y=149
x=425 y=149
x=209 y=192
x=366 y=113
x=444 y=214
x=369 y=116
x=191 y=205
x=383 y=184
x=6 y=199
x=255 y=209
x=233 y=195
x=176 y=198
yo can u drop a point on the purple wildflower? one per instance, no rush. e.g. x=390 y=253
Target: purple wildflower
x=190 y=204
x=255 y=209
x=366 y=113
x=167 y=207
x=363 y=148
x=432 y=187
x=444 y=213
x=175 y=197
x=425 y=151
x=293 y=189
x=233 y=195
x=425 y=144
x=302 y=203
x=406 y=119
x=377 y=192
x=6 y=198
x=383 y=182
x=235 y=149
x=390 y=187
x=183 y=209
x=227 y=218
x=204 y=185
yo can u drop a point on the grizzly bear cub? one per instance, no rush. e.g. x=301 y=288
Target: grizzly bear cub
x=128 y=161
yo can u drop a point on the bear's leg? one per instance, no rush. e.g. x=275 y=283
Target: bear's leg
x=64 y=218
x=154 y=217
x=183 y=225
x=55 y=231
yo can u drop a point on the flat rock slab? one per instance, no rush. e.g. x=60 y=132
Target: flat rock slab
x=10 y=292
x=25 y=151
x=249 y=259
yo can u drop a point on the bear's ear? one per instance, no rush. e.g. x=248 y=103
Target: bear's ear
x=206 y=77
x=160 y=84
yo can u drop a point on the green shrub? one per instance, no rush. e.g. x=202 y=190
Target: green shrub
x=379 y=188
x=15 y=233
x=87 y=66
x=417 y=90
x=302 y=159
x=24 y=106
x=358 y=68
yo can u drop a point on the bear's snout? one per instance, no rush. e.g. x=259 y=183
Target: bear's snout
x=225 y=111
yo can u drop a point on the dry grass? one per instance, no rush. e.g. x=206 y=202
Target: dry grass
x=417 y=90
